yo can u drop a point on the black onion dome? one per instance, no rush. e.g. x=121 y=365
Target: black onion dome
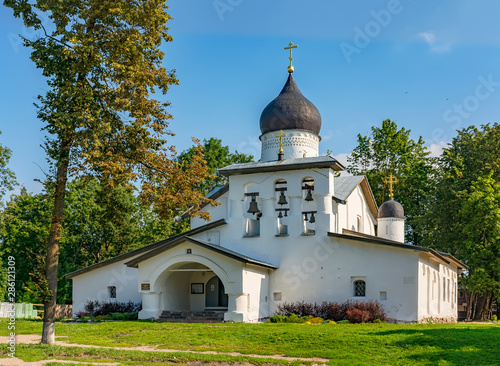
x=391 y=209
x=290 y=110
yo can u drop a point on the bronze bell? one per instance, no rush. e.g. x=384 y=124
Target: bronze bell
x=312 y=220
x=305 y=219
x=282 y=200
x=309 y=196
x=253 y=209
x=286 y=213
x=280 y=215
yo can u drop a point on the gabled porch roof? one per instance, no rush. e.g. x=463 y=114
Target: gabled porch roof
x=146 y=248
x=213 y=247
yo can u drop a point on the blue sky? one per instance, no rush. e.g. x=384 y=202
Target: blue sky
x=431 y=66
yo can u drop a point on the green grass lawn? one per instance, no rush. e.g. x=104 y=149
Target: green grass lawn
x=344 y=344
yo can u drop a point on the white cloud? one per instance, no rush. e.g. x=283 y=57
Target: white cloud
x=437 y=46
x=429 y=37
x=341 y=158
x=437 y=149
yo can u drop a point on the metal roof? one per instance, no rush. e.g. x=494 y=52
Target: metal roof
x=216 y=248
x=290 y=110
x=146 y=248
x=344 y=186
x=366 y=238
x=287 y=164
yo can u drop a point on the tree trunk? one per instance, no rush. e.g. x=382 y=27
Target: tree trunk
x=479 y=306
x=52 y=261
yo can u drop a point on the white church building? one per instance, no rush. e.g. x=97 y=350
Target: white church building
x=287 y=229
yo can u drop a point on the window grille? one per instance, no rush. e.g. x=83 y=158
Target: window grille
x=359 y=288
x=112 y=292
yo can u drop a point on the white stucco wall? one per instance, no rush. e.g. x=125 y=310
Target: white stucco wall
x=357 y=206
x=246 y=287
x=324 y=270
x=216 y=212
x=391 y=228
x=312 y=268
x=256 y=286
x=438 y=290
x=93 y=285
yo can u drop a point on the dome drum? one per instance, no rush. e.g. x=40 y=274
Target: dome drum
x=296 y=144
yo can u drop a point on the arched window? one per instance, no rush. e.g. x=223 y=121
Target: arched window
x=309 y=206
x=359 y=288
x=282 y=207
x=252 y=207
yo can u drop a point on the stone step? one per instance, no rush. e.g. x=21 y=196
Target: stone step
x=191 y=316
x=159 y=320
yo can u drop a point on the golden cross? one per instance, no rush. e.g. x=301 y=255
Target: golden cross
x=290 y=47
x=391 y=180
x=281 y=135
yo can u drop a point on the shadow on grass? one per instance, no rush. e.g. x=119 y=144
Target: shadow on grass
x=463 y=345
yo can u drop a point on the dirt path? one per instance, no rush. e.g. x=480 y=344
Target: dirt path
x=35 y=339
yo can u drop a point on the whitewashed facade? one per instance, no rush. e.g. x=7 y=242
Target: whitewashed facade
x=247 y=264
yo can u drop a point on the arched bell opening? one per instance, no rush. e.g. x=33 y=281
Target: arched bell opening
x=282 y=207
x=252 y=210
x=309 y=206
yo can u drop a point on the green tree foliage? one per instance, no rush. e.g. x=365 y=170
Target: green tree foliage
x=7 y=176
x=217 y=156
x=103 y=63
x=24 y=228
x=464 y=218
x=391 y=150
x=96 y=227
x=481 y=209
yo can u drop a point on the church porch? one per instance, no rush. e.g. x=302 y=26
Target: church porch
x=191 y=277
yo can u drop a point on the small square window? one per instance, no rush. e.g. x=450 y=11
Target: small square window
x=359 y=288
x=383 y=295
x=197 y=288
x=112 y=292
x=277 y=296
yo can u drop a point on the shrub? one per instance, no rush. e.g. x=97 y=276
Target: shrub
x=316 y=320
x=294 y=318
x=345 y=321
x=118 y=316
x=494 y=318
x=96 y=308
x=357 y=315
x=332 y=310
x=81 y=314
x=277 y=319
x=130 y=316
